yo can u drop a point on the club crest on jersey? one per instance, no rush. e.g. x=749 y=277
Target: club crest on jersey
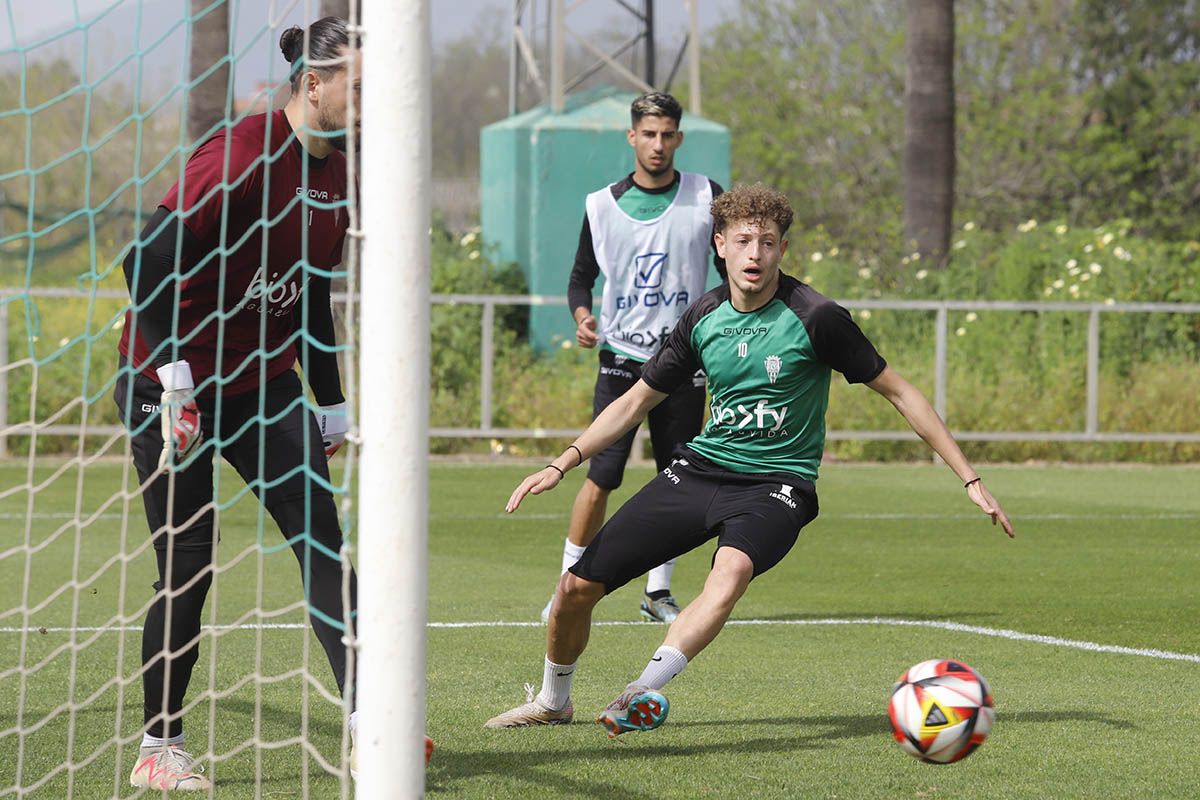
x=773 y=365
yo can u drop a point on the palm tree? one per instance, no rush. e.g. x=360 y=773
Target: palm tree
x=929 y=150
x=336 y=8
x=208 y=99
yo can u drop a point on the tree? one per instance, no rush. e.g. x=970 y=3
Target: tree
x=929 y=151
x=338 y=8
x=209 y=95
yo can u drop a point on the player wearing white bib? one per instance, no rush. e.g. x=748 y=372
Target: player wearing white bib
x=650 y=236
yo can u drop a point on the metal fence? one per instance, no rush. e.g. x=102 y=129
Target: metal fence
x=488 y=304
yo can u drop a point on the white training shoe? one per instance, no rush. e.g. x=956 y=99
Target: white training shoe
x=546 y=610
x=169 y=769
x=532 y=713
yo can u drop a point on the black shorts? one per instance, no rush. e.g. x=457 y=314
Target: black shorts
x=271 y=438
x=674 y=421
x=691 y=502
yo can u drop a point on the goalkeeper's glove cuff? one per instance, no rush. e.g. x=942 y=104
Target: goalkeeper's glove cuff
x=333 y=423
x=176 y=375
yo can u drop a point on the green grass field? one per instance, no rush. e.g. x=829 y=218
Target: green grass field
x=1104 y=573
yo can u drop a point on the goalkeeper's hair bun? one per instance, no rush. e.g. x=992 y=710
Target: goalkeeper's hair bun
x=326 y=39
x=292 y=43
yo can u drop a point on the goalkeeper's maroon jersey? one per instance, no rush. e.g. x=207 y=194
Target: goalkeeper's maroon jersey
x=263 y=224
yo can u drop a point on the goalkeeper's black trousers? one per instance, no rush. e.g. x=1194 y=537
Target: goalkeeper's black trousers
x=272 y=439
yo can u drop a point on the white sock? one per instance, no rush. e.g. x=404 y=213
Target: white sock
x=556 y=685
x=666 y=664
x=154 y=741
x=571 y=553
x=659 y=578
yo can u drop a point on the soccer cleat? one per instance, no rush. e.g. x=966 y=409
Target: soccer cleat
x=168 y=769
x=664 y=609
x=546 y=610
x=532 y=713
x=635 y=709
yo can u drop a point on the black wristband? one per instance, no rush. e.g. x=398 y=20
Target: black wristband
x=973 y=480
x=578 y=452
x=561 y=474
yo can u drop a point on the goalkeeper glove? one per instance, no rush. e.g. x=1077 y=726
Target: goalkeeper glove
x=332 y=421
x=181 y=433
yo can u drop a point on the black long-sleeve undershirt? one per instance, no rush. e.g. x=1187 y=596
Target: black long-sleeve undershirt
x=150 y=274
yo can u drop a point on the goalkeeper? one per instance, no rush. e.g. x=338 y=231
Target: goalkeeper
x=230 y=282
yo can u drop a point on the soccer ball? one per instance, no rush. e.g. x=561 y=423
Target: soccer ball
x=941 y=711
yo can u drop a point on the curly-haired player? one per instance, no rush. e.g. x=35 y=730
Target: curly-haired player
x=769 y=345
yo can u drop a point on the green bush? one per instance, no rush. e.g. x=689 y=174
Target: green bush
x=1019 y=371
x=1026 y=371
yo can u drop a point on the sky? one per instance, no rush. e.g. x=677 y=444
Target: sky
x=110 y=30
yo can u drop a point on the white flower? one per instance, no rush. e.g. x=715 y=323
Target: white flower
x=1049 y=290
x=64 y=341
x=808 y=278
x=120 y=323
x=473 y=255
x=816 y=257
x=1095 y=268
x=468 y=239
x=915 y=257
x=1087 y=248
x=1073 y=271
x=1058 y=284
x=1107 y=239
x=1109 y=301
x=1122 y=253
x=1072 y=264
x=922 y=274
x=905 y=260
x=833 y=251
x=972 y=316
x=960 y=244
x=1087 y=276
x=1027 y=226
x=566 y=345
x=864 y=314
x=970 y=226
x=864 y=273
x=1060 y=230
x=960 y=332
x=1073 y=289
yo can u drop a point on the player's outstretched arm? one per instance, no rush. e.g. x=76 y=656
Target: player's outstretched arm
x=614 y=422
x=920 y=415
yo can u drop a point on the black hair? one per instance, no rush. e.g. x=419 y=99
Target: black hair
x=655 y=104
x=326 y=38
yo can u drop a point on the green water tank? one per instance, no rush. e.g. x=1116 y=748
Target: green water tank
x=537 y=167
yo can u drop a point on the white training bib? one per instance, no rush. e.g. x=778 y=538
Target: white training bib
x=652 y=269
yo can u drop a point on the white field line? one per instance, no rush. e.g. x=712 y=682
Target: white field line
x=955 y=627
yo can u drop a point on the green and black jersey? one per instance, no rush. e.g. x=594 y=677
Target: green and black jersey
x=768 y=374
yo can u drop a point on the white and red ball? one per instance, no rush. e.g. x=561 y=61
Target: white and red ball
x=941 y=711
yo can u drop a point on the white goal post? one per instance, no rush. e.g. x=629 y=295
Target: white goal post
x=394 y=412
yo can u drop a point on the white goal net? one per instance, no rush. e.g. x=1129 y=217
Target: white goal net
x=103 y=104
